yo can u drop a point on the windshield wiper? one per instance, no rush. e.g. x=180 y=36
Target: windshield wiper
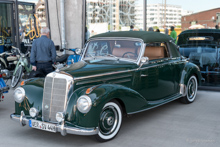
x=91 y=56
x=112 y=56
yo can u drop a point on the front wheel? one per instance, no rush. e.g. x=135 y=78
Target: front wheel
x=191 y=90
x=110 y=121
x=16 y=77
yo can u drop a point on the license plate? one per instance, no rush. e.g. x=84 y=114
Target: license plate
x=42 y=126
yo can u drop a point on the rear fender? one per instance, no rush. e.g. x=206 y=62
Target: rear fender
x=189 y=70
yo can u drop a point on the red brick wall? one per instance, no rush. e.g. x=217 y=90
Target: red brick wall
x=204 y=17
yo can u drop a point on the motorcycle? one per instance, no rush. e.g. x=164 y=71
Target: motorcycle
x=8 y=60
x=23 y=66
x=3 y=87
x=68 y=59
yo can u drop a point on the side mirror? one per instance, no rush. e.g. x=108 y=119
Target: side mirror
x=178 y=48
x=144 y=60
x=78 y=51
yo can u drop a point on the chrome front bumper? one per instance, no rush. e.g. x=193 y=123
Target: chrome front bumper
x=64 y=130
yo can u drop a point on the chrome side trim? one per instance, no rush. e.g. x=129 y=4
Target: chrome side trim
x=155 y=106
x=105 y=74
x=183 y=89
x=157 y=65
x=122 y=81
x=103 y=79
x=59 y=127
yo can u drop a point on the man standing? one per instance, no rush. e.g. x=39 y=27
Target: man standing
x=173 y=33
x=131 y=27
x=166 y=31
x=43 y=53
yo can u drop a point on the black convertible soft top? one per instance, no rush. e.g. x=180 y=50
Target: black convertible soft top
x=147 y=37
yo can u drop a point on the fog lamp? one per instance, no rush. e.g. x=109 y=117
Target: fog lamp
x=59 y=116
x=33 y=112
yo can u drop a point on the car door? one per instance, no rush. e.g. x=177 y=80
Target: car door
x=157 y=77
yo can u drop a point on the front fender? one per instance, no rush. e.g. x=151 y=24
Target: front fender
x=100 y=95
x=189 y=70
x=33 y=97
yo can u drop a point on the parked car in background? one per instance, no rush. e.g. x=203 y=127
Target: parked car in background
x=121 y=73
x=202 y=47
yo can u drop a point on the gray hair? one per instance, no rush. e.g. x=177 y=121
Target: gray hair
x=151 y=29
x=45 y=30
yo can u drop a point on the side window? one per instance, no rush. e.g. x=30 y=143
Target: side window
x=156 y=51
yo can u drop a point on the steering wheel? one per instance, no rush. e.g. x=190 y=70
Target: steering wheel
x=127 y=53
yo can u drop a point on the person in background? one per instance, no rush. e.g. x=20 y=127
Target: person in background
x=217 y=27
x=43 y=53
x=150 y=29
x=173 y=33
x=166 y=31
x=158 y=30
x=87 y=34
x=131 y=27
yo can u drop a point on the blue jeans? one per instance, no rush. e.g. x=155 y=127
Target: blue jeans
x=45 y=68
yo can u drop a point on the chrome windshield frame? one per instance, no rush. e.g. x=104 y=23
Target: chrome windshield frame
x=118 y=38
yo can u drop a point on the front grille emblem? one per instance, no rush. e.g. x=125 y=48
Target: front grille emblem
x=46 y=107
x=54 y=74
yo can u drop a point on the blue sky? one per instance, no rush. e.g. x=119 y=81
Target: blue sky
x=193 y=5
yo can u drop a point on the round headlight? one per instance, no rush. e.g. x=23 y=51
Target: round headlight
x=59 y=116
x=19 y=94
x=33 y=112
x=78 y=51
x=84 y=104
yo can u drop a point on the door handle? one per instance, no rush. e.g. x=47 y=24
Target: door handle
x=143 y=75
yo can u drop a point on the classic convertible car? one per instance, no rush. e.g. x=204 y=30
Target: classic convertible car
x=121 y=73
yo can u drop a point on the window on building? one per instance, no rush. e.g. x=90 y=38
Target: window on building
x=116 y=15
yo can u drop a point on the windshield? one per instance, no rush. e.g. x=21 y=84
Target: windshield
x=198 y=39
x=113 y=49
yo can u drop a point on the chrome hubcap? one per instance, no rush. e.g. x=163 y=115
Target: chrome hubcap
x=192 y=88
x=109 y=120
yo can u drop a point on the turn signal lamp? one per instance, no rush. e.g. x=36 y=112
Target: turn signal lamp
x=22 y=83
x=88 y=90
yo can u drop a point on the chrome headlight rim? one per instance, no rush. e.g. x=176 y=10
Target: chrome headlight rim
x=22 y=96
x=33 y=112
x=89 y=101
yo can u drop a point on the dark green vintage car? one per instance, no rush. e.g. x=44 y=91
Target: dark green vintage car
x=121 y=73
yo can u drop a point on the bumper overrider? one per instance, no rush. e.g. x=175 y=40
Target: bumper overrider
x=64 y=130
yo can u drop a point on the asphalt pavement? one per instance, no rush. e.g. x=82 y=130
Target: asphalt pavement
x=171 y=125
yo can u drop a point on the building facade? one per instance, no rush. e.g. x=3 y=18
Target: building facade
x=156 y=15
x=208 y=19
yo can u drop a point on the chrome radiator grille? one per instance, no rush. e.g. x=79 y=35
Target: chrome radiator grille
x=54 y=96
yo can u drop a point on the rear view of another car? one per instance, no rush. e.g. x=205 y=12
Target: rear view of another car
x=3 y=87
x=202 y=47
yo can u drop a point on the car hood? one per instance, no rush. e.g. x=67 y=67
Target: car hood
x=82 y=68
